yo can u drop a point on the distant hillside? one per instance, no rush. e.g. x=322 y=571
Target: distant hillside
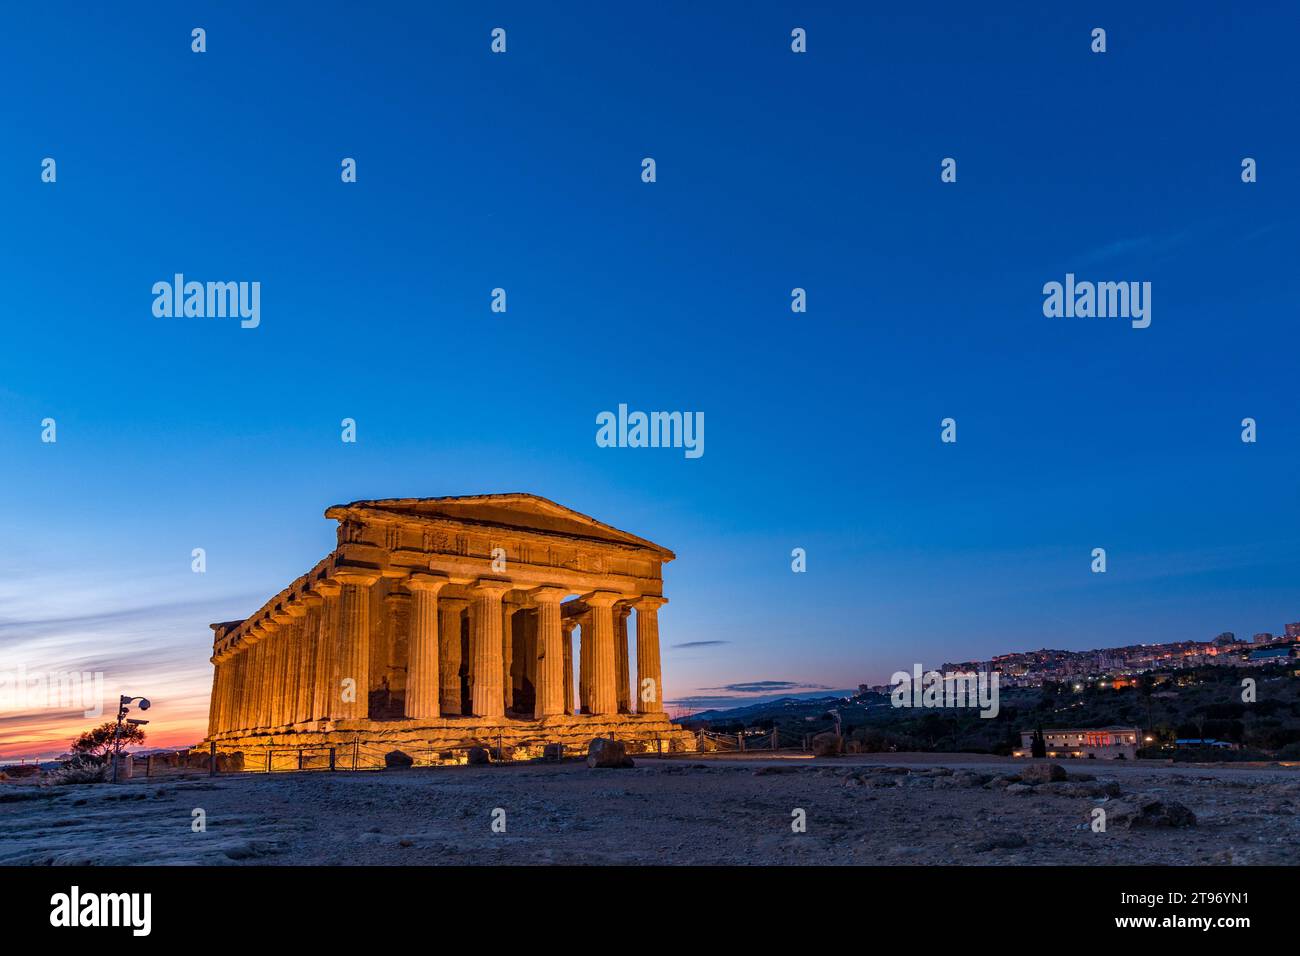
x=782 y=706
x=1203 y=702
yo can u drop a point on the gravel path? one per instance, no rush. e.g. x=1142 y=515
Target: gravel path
x=885 y=809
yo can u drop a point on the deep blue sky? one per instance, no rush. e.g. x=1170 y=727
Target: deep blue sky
x=775 y=170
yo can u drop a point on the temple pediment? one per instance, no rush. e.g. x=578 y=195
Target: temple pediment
x=520 y=511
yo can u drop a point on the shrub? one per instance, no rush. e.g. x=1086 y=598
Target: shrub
x=80 y=769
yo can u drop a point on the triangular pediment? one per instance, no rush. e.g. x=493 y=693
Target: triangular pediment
x=523 y=511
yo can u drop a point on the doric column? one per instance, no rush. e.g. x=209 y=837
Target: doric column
x=266 y=697
x=604 y=697
x=270 y=649
x=251 y=684
x=621 y=677
x=422 y=681
x=310 y=653
x=220 y=683
x=247 y=684
x=223 y=698
x=526 y=670
x=214 y=702
x=225 y=709
x=253 y=705
x=649 y=674
x=566 y=627
x=354 y=620
x=397 y=641
x=238 y=695
x=226 y=705
x=508 y=611
x=271 y=653
x=584 y=662
x=288 y=673
x=277 y=643
x=239 y=688
x=293 y=672
x=486 y=695
x=265 y=673
x=225 y=671
x=326 y=703
x=550 y=653
x=296 y=684
x=229 y=698
x=449 y=654
x=283 y=643
x=245 y=697
x=214 y=709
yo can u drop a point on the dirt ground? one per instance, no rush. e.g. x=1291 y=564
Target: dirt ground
x=884 y=809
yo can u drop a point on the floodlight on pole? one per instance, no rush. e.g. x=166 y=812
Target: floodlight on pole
x=124 y=705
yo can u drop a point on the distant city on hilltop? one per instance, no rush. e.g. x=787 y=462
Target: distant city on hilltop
x=1119 y=665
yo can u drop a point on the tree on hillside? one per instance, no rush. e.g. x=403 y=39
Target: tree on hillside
x=1037 y=745
x=98 y=743
x=1145 y=685
x=1199 y=720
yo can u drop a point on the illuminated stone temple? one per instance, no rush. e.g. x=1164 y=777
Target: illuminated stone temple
x=436 y=624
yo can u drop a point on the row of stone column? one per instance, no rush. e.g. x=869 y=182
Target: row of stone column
x=310 y=661
x=433 y=690
x=298 y=666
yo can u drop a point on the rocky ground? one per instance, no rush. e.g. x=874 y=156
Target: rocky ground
x=886 y=809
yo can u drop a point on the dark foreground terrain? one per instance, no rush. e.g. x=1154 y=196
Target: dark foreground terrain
x=882 y=809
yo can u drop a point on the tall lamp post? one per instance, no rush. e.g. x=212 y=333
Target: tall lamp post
x=123 y=706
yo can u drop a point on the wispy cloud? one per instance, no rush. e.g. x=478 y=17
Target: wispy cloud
x=1149 y=246
x=766 y=687
x=110 y=628
x=1158 y=246
x=701 y=644
x=100 y=620
x=698 y=702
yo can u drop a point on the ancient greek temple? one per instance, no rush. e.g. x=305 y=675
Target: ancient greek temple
x=441 y=623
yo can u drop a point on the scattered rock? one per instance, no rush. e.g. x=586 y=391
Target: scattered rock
x=250 y=849
x=1071 y=788
x=999 y=841
x=1148 y=812
x=397 y=760
x=879 y=782
x=961 y=781
x=603 y=752
x=478 y=755
x=1019 y=789
x=827 y=745
x=1043 y=773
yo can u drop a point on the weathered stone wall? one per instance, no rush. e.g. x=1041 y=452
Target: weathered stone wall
x=437 y=741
